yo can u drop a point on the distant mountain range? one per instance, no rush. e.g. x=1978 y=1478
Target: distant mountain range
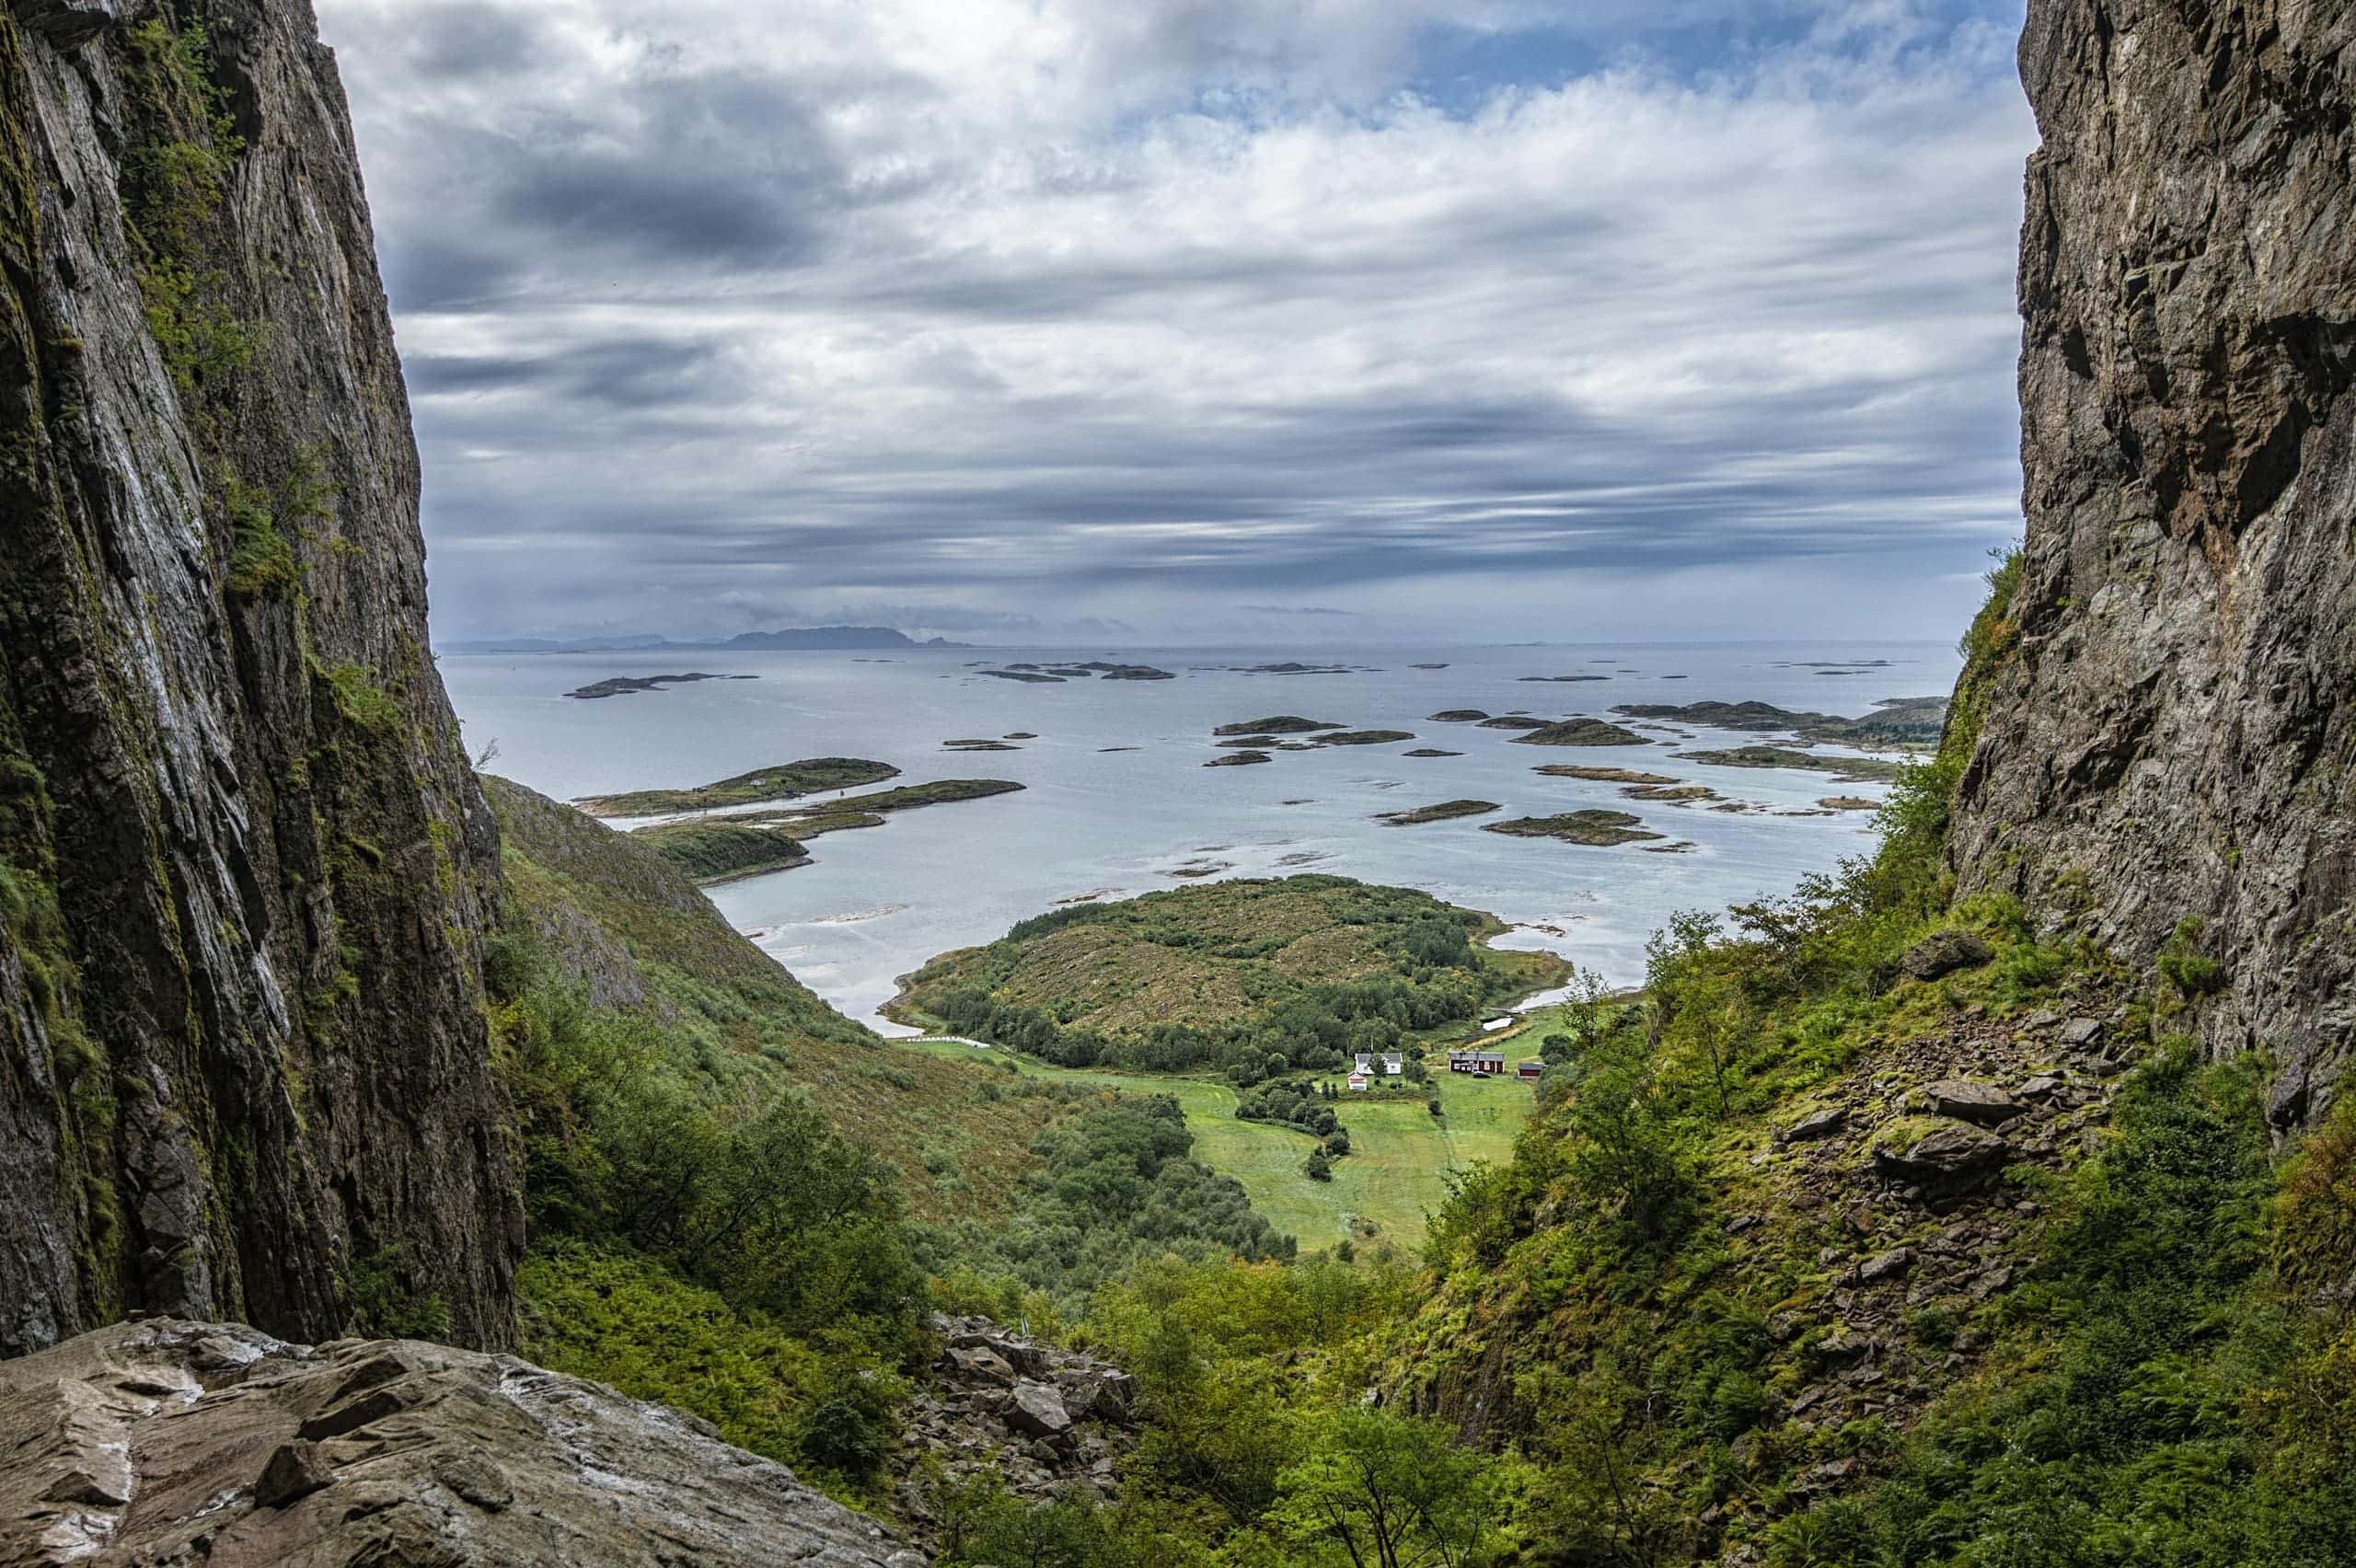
x=858 y=638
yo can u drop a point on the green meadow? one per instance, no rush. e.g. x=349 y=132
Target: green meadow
x=1400 y=1154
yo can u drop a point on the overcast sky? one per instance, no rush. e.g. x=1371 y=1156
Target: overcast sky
x=1206 y=319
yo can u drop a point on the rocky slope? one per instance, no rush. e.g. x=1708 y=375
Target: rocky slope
x=2175 y=734
x=244 y=868
x=998 y=1404
x=170 y=1441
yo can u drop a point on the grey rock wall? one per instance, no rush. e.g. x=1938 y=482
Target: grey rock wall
x=2175 y=733
x=245 y=870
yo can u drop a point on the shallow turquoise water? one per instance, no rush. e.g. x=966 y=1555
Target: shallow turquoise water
x=878 y=902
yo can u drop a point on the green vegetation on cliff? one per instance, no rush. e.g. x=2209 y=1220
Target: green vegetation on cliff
x=1251 y=977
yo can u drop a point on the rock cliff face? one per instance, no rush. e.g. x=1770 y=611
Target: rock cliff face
x=243 y=868
x=180 y=1442
x=2172 y=733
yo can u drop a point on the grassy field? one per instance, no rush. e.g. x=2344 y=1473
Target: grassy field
x=1393 y=1177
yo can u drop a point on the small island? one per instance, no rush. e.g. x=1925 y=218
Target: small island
x=1602 y=775
x=721 y=851
x=979 y=746
x=1292 y=668
x=725 y=848
x=1598 y=829
x=1895 y=721
x=1669 y=794
x=1458 y=716
x=1227 y=978
x=778 y=781
x=1238 y=759
x=1515 y=722
x=1848 y=770
x=1581 y=732
x=620 y=685
x=1364 y=737
x=1447 y=811
x=1430 y=751
x=1280 y=724
x=1564 y=680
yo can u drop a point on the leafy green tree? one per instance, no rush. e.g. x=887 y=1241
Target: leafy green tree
x=1380 y=1491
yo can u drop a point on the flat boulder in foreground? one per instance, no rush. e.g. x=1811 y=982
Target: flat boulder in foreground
x=171 y=1441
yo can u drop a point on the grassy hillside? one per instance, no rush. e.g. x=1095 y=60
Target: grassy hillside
x=1761 y=1285
x=740 y=1202
x=641 y=937
x=1249 y=976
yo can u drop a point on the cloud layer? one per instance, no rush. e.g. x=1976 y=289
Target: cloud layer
x=1067 y=317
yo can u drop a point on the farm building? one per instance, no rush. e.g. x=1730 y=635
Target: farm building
x=1358 y=1080
x=1476 y=1061
x=1530 y=1069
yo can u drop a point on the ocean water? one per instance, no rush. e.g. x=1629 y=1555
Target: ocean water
x=1117 y=799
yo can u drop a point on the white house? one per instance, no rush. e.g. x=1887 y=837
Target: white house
x=1366 y=1062
x=1393 y=1063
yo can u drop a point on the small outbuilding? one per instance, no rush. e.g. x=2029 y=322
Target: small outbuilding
x=1358 y=1080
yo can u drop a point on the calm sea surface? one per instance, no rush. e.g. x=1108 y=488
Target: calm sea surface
x=1117 y=798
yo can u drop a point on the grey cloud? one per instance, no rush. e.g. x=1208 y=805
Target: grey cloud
x=714 y=327
x=625 y=373
x=462 y=38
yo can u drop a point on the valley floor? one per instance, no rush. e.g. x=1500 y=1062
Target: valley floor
x=1396 y=1173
